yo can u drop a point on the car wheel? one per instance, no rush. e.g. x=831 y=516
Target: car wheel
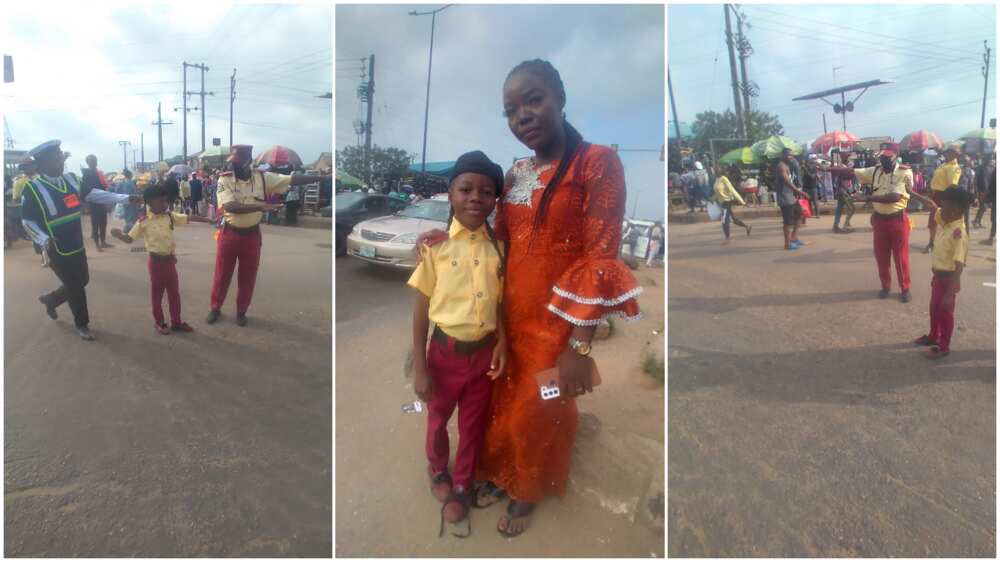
x=341 y=244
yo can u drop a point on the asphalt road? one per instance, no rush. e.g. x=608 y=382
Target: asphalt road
x=802 y=422
x=384 y=507
x=213 y=443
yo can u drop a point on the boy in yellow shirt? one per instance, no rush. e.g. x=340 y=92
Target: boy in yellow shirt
x=157 y=229
x=951 y=248
x=459 y=285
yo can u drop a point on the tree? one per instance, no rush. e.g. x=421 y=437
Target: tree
x=388 y=164
x=714 y=125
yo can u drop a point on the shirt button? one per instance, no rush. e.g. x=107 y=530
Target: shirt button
x=454 y=263
x=473 y=237
x=476 y=262
x=482 y=324
x=479 y=294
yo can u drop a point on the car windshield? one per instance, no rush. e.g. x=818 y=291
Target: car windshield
x=427 y=210
x=345 y=200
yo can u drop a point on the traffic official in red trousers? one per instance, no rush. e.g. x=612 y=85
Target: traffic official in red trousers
x=241 y=196
x=891 y=185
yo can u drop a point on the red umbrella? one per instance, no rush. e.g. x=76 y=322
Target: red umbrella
x=920 y=141
x=839 y=139
x=279 y=156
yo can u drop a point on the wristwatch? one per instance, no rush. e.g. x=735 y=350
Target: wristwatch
x=581 y=347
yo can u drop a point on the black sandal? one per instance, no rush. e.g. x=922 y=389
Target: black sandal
x=492 y=490
x=516 y=510
x=465 y=500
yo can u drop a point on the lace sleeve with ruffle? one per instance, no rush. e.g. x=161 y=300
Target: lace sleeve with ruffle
x=598 y=285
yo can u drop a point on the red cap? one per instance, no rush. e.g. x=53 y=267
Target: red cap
x=240 y=153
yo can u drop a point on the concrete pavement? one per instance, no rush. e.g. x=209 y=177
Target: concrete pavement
x=213 y=443
x=802 y=422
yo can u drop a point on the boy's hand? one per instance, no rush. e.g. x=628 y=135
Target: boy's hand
x=272 y=206
x=499 y=361
x=423 y=385
x=116 y=232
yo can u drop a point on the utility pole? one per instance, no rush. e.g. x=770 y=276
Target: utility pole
x=743 y=44
x=159 y=132
x=232 y=98
x=184 y=154
x=986 y=82
x=142 y=148
x=124 y=144
x=201 y=93
x=824 y=122
x=673 y=106
x=430 y=62
x=732 y=72
x=369 y=97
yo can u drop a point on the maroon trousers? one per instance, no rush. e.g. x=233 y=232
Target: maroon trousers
x=459 y=380
x=892 y=243
x=163 y=278
x=942 y=315
x=235 y=247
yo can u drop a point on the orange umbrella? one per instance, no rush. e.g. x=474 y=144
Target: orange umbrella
x=839 y=139
x=919 y=141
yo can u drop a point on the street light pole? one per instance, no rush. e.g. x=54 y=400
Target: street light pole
x=430 y=62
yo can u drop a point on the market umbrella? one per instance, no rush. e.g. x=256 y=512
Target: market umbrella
x=987 y=133
x=771 y=147
x=919 y=141
x=347 y=179
x=739 y=156
x=839 y=139
x=181 y=170
x=279 y=156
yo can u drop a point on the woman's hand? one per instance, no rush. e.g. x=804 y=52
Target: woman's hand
x=429 y=238
x=574 y=373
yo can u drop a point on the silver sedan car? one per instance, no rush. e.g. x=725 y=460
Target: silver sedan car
x=389 y=241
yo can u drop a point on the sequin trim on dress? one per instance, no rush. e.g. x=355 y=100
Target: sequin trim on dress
x=576 y=321
x=598 y=300
x=526 y=180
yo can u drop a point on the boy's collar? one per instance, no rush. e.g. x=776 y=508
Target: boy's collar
x=457 y=228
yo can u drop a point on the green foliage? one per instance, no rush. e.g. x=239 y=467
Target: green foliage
x=388 y=164
x=653 y=367
x=714 y=125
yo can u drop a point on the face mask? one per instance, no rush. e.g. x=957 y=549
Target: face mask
x=886 y=163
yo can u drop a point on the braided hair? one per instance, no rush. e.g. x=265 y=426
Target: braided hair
x=574 y=140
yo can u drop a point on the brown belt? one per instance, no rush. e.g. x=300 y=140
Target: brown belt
x=462 y=347
x=242 y=231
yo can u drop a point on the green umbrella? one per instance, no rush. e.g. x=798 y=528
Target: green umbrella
x=771 y=147
x=987 y=133
x=743 y=155
x=347 y=179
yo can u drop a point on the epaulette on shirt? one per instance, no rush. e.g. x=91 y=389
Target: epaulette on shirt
x=223 y=174
x=957 y=234
x=904 y=167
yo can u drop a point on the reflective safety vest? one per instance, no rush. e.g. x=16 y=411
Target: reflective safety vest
x=61 y=205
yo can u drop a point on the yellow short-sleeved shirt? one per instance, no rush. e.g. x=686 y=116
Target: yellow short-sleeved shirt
x=900 y=180
x=725 y=192
x=155 y=230
x=260 y=185
x=460 y=278
x=946 y=176
x=951 y=243
x=185 y=189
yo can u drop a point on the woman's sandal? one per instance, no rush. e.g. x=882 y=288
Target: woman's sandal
x=463 y=500
x=440 y=485
x=923 y=341
x=490 y=492
x=515 y=510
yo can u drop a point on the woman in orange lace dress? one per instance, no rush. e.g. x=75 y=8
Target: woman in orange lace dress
x=561 y=212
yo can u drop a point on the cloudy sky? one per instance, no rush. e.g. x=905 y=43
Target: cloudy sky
x=933 y=53
x=92 y=74
x=614 y=80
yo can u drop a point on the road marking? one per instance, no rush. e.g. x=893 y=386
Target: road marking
x=990 y=284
